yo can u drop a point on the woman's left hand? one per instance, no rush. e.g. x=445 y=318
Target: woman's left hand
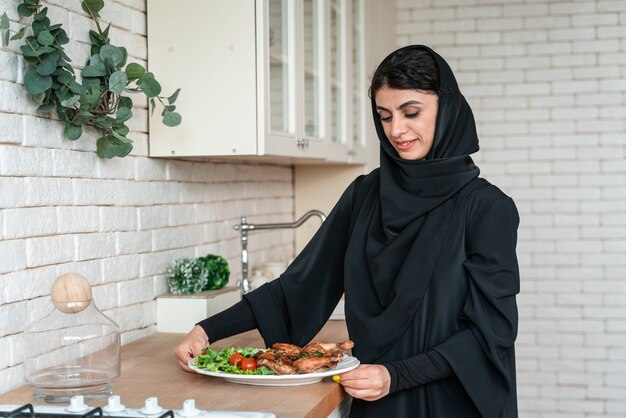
x=369 y=382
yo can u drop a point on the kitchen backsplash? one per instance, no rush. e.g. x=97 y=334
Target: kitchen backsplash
x=118 y=222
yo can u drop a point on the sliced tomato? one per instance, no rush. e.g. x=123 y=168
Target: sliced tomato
x=235 y=359
x=248 y=364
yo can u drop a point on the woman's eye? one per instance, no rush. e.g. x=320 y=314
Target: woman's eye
x=385 y=118
x=411 y=115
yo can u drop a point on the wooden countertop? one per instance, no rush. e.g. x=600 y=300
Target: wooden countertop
x=150 y=369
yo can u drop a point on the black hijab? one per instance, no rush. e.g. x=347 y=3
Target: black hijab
x=401 y=224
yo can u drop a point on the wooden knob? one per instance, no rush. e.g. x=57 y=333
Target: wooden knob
x=71 y=293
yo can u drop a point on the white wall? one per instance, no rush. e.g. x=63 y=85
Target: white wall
x=121 y=222
x=546 y=81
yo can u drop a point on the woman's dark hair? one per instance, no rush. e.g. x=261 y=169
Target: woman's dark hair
x=412 y=69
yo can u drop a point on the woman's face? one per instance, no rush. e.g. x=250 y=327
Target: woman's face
x=408 y=118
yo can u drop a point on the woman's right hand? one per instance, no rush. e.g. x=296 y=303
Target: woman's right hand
x=191 y=346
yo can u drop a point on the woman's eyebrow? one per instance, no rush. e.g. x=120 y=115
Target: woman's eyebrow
x=402 y=106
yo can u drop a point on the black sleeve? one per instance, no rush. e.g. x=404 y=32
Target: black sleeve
x=234 y=320
x=294 y=307
x=426 y=367
x=482 y=355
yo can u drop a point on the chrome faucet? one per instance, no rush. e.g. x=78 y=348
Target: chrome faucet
x=244 y=227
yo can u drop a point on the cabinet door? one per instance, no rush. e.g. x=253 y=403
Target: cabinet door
x=212 y=60
x=358 y=101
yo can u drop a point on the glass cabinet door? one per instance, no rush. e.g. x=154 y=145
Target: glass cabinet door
x=359 y=97
x=281 y=61
x=313 y=41
x=337 y=78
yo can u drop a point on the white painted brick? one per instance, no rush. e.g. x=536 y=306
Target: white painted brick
x=581 y=326
x=120 y=268
x=525 y=9
x=13 y=255
x=179 y=171
x=134 y=242
x=448 y=26
x=113 y=218
x=106 y=296
x=578 y=60
x=147 y=169
x=612 y=85
x=551 y=48
x=135 y=291
x=11 y=378
x=546 y=22
x=524 y=61
x=526 y=89
x=158 y=262
x=603 y=45
x=15 y=98
x=432 y=14
x=115 y=168
x=13 y=316
x=180 y=237
x=549 y=74
x=597 y=19
x=49 y=250
x=40 y=191
x=10 y=124
x=29 y=222
x=479 y=11
x=413 y=28
x=568 y=8
x=596 y=72
x=12 y=192
x=43 y=132
x=77 y=219
x=561 y=87
x=464 y=38
x=552 y=127
x=524 y=36
x=576 y=167
x=22 y=161
x=97 y=245
x=94 y=192
x=150 y=217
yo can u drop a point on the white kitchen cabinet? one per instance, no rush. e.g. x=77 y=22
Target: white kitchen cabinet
x=280 y=79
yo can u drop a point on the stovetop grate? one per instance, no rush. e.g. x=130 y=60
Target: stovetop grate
x=28 y=411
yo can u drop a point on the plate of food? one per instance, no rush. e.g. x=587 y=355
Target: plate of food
x=280 y=365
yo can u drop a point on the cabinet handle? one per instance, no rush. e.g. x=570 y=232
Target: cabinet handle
x=304 y=142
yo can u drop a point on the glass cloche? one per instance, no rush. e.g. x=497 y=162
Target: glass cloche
x=74 y=349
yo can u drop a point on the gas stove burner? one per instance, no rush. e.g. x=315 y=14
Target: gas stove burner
x=115 y=409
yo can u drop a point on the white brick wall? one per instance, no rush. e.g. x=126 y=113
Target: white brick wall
x=120 y=222
x=546 y=82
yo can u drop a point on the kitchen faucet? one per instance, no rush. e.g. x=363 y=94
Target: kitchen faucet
x=244 y=227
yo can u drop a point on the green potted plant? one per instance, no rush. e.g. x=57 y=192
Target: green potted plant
x=101 y=99
x=194 y=275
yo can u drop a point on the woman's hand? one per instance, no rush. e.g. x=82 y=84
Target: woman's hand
x=191 y=346
x=369 y=382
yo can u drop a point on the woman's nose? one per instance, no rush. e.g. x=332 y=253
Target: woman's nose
x=398 y=127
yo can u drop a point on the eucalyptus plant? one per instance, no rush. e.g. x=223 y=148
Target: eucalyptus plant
x=100 y=99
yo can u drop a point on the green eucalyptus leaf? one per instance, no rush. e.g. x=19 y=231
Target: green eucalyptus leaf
x=91 y=71
x=40 y=25
x=122 y=130
x=41 y=15
x=123 y=114
x=45 y=38
x=150 y=86
x=4 y=21
x=36 y=83
x=121 y=137
x=173 y=97
x=39 y=98
x=152 y=106
x=124 y=57
x=77 y=87
x=73 y=132
x=96 y=61
x=125 y=102
x=115 y=54
x=117 y=82
x=64 y=77
x=19 y=34
x=109 y=147
x=55 y=27
x=25 y=10
x=31 y=2
x=109 y=66
x=134 y=71
x=5 y=37
x=92 y=6
x=89 y=82
x=60 y=36
x=48 y=64
x=71 y=101
x=172 y=119
x=46 y=107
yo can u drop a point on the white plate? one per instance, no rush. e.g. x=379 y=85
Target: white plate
x=346 y=364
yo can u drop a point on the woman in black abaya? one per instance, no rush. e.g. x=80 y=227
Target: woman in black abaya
x=424 y=251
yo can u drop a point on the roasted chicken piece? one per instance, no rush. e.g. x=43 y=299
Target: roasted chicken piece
x=285 y=358
x=276 y=361
x=315 y=364
x=289 y=349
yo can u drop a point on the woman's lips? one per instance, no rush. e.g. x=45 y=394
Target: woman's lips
x=404 y=145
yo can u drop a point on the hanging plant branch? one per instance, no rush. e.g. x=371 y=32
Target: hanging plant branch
x=101 y=100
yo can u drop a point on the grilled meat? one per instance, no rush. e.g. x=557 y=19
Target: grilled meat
x=285 y=358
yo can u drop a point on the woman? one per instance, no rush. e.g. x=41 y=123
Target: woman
x=424 y=250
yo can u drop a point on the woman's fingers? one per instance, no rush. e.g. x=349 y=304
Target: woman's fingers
x=191 y=346
x=368 y=382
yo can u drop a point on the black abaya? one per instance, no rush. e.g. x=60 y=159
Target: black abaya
x=425 y=253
